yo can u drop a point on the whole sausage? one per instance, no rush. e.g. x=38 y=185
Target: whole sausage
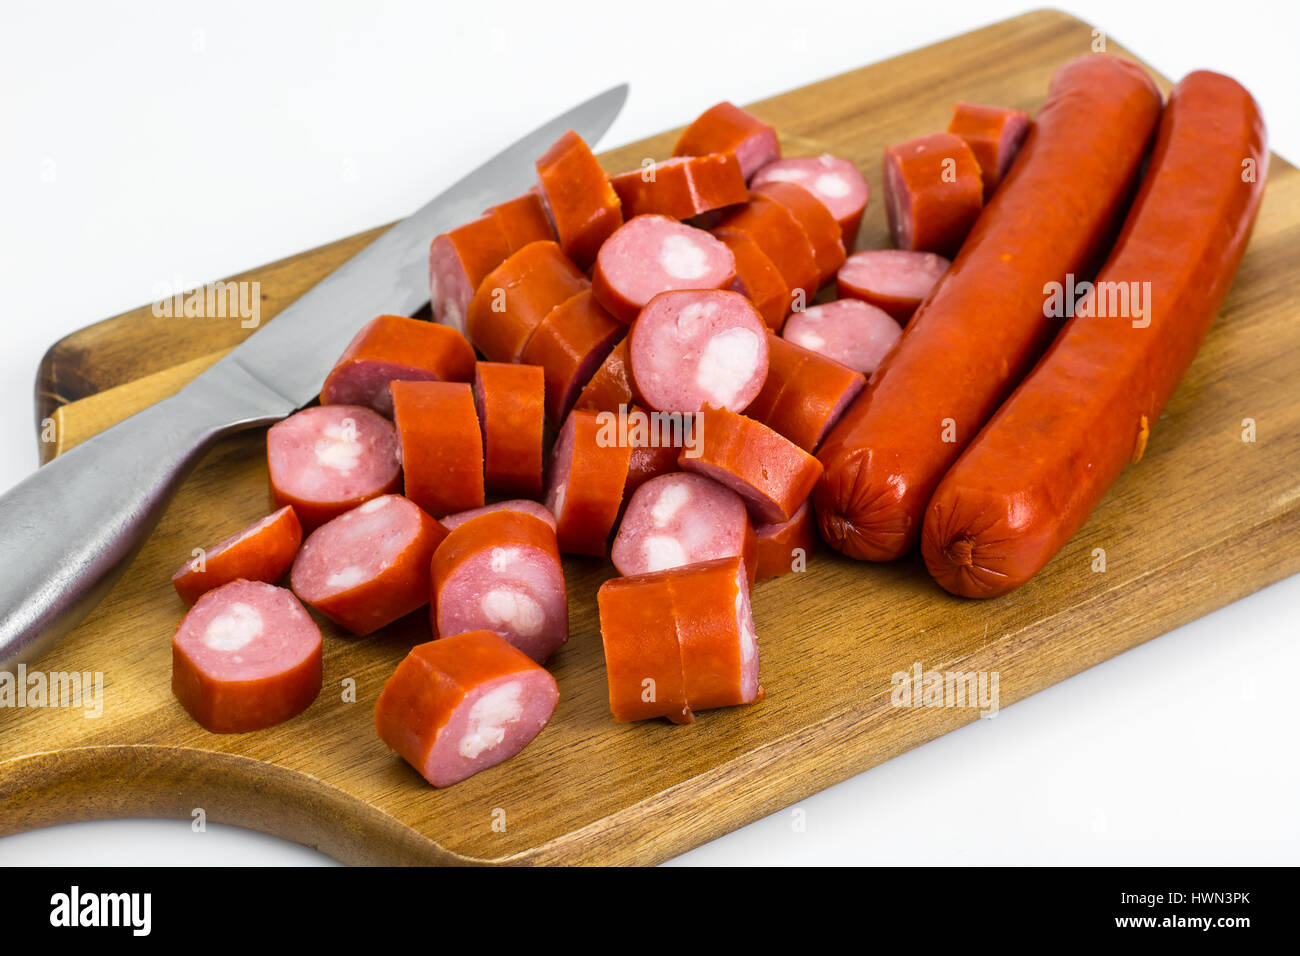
x=462 y=704
x=1030 y=479
x=245 y=657
x=261 y=552
x=396 y=347
x=977 y=335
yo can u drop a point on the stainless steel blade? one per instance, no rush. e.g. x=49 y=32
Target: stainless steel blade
x=293 y=353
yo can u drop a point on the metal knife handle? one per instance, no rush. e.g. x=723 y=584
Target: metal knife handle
x=69 y=530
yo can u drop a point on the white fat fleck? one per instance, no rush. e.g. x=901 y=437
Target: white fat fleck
x=669 y=502
x=748 y=639
x=504 y=607
x=338 y=448
x=451 y=314
x=809 y=340
x=662 y=552
x=502 y=558
x=488 y=717
x=557 y=509
x=788 y=174
x=233 y=628
x=347 y=578
x=831 y=184
x=727 y=365
x=682 y=257
x=374 y=504
x=691 y=317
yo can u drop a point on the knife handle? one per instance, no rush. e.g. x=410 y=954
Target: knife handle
x=70 y=529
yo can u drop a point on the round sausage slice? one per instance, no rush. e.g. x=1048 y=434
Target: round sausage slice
x=653 y=254
x=511 y=404
x=581 y=203
x=501 y=572
x=682 y=187
x=525 y=505
x=773 y=475
x=836 y=182
x=895 y=280
x=522 y=220
x=393 y=347
x=370 y=566
x=778 y=233
x=933 y=193
x=514 y=298
x=815 y=219
x=643 y=657
x=726 y=128
x=261 y=552
x=849 y=331
x=611 y=386
x=462 y=704
x=570 y=344
x=458 y=261
x=688 y=349
x=679 y=519
x=329 y=459
x=783 y=543
x=441 y=445
x=994 y=135
x=805 y=393
x=715 y=628
x=245 y=657
x=587 y=474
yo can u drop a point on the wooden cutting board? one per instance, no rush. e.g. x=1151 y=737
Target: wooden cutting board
x=1205 y=519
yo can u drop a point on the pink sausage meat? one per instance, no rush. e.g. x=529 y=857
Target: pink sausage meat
x=895 y=280
x=690 y=348
x=679 y=519
x=835 y=181
x=524 y=505
x=852 y=333
x=652 y=254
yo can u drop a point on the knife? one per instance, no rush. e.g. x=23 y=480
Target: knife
x=68 y=531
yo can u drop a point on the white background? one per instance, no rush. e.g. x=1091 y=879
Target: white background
x=153 y=142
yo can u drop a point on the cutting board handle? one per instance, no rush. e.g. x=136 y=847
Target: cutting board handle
x=69 y=530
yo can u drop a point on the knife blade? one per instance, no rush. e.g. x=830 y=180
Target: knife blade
x=69 y=530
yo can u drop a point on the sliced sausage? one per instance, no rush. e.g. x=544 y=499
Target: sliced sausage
x=515 y=297
x=522 y=220
x=726 y=128
x=758 y=279
x=849 y=331
x=329 y=459
x=585 y=483
x=994 y=135
x=525 y=505
x=458 y=261
x=715 y=627
x=682 y=187
x=441 y=445
x=815 y=219
x=501 y=572
x=835 y=181
x=895 y=280
x=570 y=344
x=643 y=657
x=393 y=347
x=511 y=404
x=646 y=462
x=985 y=325
x=652 y=254
x=611 y=386
x=691 y=348
x=933 y=193
x=805 y=393
x=680 y=519
x=369 y=566
x=776 y=231
x=581 y=203
x=462 y=704
x=783 y=543
x=245 y=657
x=261 y=552
x=773 y=475
x=1036 y=471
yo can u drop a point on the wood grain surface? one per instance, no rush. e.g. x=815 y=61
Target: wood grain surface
x=1205 y=519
